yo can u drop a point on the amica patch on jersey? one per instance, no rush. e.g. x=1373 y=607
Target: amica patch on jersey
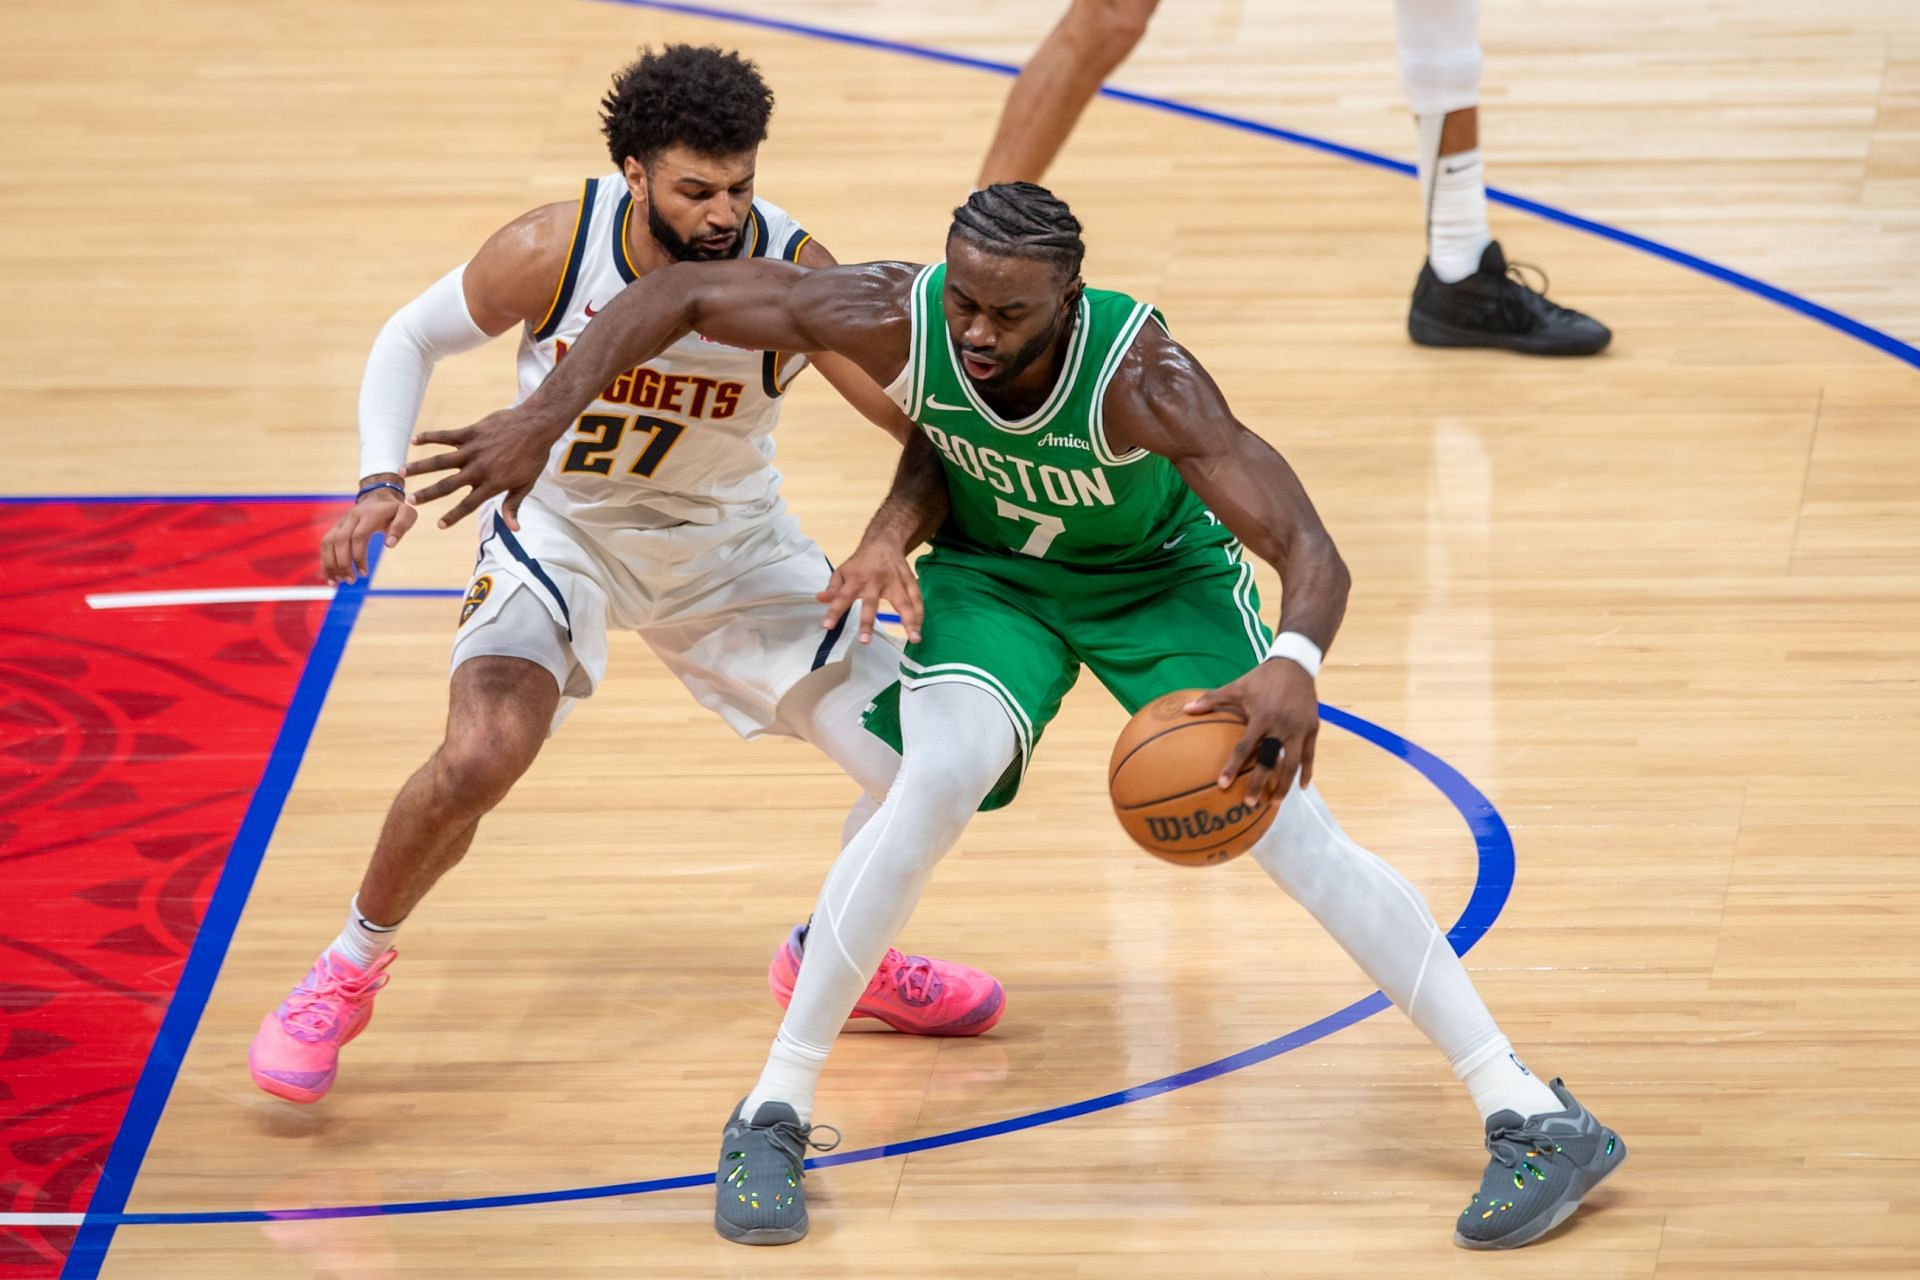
x=476 y=596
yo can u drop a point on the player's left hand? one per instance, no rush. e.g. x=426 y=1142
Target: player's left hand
x=504 y=452
x=1278 y=701
x=877 y=571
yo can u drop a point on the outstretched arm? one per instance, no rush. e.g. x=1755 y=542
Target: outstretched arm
x=1163 y=401
x=760 y=305
x=853 y=383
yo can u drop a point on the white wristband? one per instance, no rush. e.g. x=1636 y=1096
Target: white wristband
x=1295 y=647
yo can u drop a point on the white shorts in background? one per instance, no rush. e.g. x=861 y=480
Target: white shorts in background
x=728 y=607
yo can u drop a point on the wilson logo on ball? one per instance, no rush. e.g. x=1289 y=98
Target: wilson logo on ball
x=1200 y=824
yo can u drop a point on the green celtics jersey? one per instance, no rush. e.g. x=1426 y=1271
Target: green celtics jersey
x=1048 y=486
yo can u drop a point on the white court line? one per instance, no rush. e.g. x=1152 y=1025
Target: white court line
x=212 y=595
x=42 y=1219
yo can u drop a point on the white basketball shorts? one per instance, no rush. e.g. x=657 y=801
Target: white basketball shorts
x=729 y=607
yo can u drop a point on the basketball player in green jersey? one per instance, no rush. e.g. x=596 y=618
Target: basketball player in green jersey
x=1087 y=491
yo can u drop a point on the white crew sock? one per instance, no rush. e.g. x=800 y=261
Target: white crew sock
x=791 y=1072
x=1455 y=188
x=361 y=941
x=1499 y=1081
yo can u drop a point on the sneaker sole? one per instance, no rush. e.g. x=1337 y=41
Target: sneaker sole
x=783 y=996
x=759 y=1235
x=290 y=1093
x=1433 y=333
x=1560 y=1214
x=293 y=1093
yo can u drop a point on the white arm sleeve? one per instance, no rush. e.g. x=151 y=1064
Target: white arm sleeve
x=418 y=336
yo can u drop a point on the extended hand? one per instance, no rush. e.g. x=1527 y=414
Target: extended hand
x=1278 y=701
x=504 y=452
x=873 y=573
x=343 y=552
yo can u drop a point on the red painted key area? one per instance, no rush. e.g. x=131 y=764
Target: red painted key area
x=130 y=743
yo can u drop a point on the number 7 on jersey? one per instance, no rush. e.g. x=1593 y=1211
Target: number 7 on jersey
x=1045 y=528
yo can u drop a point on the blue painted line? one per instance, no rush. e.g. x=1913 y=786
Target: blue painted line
x=1902 y=351
x=1494 y=845
x=171 y=499
x=105 y=1210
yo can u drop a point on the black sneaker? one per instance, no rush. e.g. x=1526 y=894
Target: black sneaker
x=760 y=1195
x=1495 y=307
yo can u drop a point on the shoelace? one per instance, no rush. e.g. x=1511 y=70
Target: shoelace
x=1521 y=304
x=913 y=978
x=313 y=1012
x=794 y=1141
x=1513 y=1147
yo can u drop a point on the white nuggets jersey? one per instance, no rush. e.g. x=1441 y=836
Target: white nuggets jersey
x=685 y=438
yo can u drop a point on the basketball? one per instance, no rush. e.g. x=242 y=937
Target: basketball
x=1161 y=780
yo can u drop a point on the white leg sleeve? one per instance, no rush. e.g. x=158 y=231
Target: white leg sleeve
x=825 y=709
x=958 y=742
x=1439 y=54
x=1380 y=920
x=857 y=818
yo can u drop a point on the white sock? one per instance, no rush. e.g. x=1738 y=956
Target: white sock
x=362 y=941
x=1456 y=190
x=1383 y=923
x=791 y=1072
x=958 y=742
x=1499 y=1081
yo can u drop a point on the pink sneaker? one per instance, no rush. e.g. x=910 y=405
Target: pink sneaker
x=913 y=994
x=296 y=1053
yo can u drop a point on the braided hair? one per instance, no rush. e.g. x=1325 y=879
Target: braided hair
x=1022 y=220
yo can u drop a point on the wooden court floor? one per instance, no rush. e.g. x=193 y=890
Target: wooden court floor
x=1659 y=608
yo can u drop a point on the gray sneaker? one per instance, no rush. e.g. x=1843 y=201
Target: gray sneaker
x=758 y=1193
x=1542 y=1167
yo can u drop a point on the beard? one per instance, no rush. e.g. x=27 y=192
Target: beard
x=682 y=250
x=1018 y=363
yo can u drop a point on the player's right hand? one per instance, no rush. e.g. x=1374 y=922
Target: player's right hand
x=343 y=552
x=504 y=452
x=874 y=573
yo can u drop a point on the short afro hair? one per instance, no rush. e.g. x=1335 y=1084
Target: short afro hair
x=701 y=97
x=1022 y=220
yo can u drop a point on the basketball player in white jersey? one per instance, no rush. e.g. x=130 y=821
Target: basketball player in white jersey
x=1465 y=295
x=659 y=512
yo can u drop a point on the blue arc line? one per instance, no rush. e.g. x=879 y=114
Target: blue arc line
x=1491 y=887
x=209 y=950
x=1866 y=333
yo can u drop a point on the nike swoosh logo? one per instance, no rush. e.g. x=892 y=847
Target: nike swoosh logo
x=951 y=408
x=1172 y=543
x=590 y=310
